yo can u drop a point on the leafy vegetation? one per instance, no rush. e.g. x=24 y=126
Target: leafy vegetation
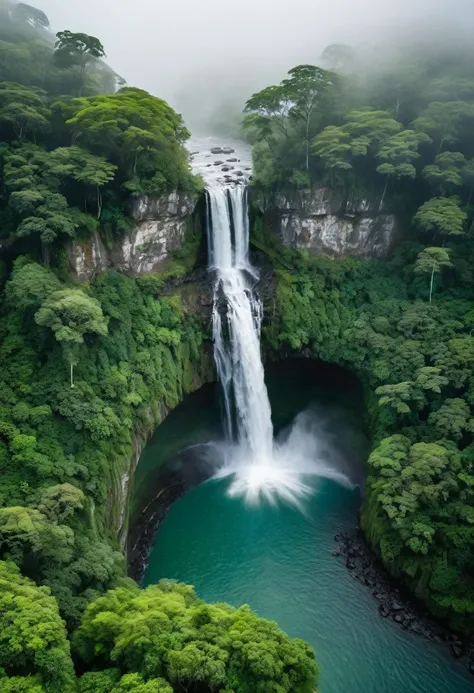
x=415 y=359
x=165 y=633
x=401 y=138
x=88 y=371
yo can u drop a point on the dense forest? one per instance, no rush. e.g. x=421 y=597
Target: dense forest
x=86 y=369
x=399 y=137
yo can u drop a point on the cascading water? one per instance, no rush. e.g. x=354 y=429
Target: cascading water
x=256 y=464
x=237 y=332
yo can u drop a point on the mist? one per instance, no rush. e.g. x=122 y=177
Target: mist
x=208 y=55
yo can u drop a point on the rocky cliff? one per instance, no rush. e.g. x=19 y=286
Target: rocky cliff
x=321 y=221
x=159 y=228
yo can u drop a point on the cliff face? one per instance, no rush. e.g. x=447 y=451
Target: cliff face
x=160 y=225
x=321 y=221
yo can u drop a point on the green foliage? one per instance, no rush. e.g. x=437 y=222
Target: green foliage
x=32 y=637
x=141 y=134
x=431 y=261
x=71 y=314
x=415 y=360
x=63 y=450
x=441 y=215
x=165 y=631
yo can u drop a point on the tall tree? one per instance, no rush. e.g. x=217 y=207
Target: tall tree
x=267 y=109
x=431 y=261
x=447 y=172
x=307 y=86
x=397 y=154
x=83 y=167
x=77 y=52
x=71 y=314
x=441 y=215
x=443 y=121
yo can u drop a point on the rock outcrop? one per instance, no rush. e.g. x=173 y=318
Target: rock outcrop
x=159 y=228
x=322 y=221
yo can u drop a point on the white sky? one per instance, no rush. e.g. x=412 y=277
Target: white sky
x=168 y=47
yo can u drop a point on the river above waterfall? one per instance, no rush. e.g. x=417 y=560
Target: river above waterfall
x=279 y=560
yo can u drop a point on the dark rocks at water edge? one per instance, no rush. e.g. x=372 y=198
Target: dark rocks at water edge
x=222 y=150
x=365 y=567
x=173 y=480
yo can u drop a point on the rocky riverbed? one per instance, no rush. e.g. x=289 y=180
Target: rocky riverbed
x=365 y=567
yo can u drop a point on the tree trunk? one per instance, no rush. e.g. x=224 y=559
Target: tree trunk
x=431 y=283
x=99 y=203
x=46 y=249
x=72 y=375
x=307 y=144
x=383 y=194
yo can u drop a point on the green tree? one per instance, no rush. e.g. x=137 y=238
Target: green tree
x=397 y=154
x=23 y=109
x=431 y=261
x=430 y=378
x=441 y=215
x=32 y=636
x=139 y=133
x=30 y=285
x=443 y=121
x=26 y=534
x=367 y=134
x=398 y=396
x=268 y=109
x=83 y=167
x=60 y=502
x=21 y=684
x=166 y=631
x=70 y=314
x=447 y=172
x=307 y=86
x=77 y=52
x=453 y=418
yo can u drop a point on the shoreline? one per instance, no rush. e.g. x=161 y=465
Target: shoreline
x=173 y=482
x=394 y=601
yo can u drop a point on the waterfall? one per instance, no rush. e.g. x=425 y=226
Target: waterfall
x=258 y=467
x=236 y=320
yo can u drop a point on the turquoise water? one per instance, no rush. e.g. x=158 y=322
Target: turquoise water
x=279 y=561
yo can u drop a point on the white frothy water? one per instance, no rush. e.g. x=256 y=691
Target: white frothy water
x=237 y=332
x=258 y=467
x=302 y=455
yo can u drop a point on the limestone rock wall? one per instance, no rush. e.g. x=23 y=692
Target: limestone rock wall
x=160 y=225
x=322 y=221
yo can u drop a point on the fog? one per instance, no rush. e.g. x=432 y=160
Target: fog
x=199 y=53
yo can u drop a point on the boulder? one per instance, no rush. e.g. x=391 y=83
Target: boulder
x=218 y=150
x=227 y=150
x=384 y=611
x=456 y=649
